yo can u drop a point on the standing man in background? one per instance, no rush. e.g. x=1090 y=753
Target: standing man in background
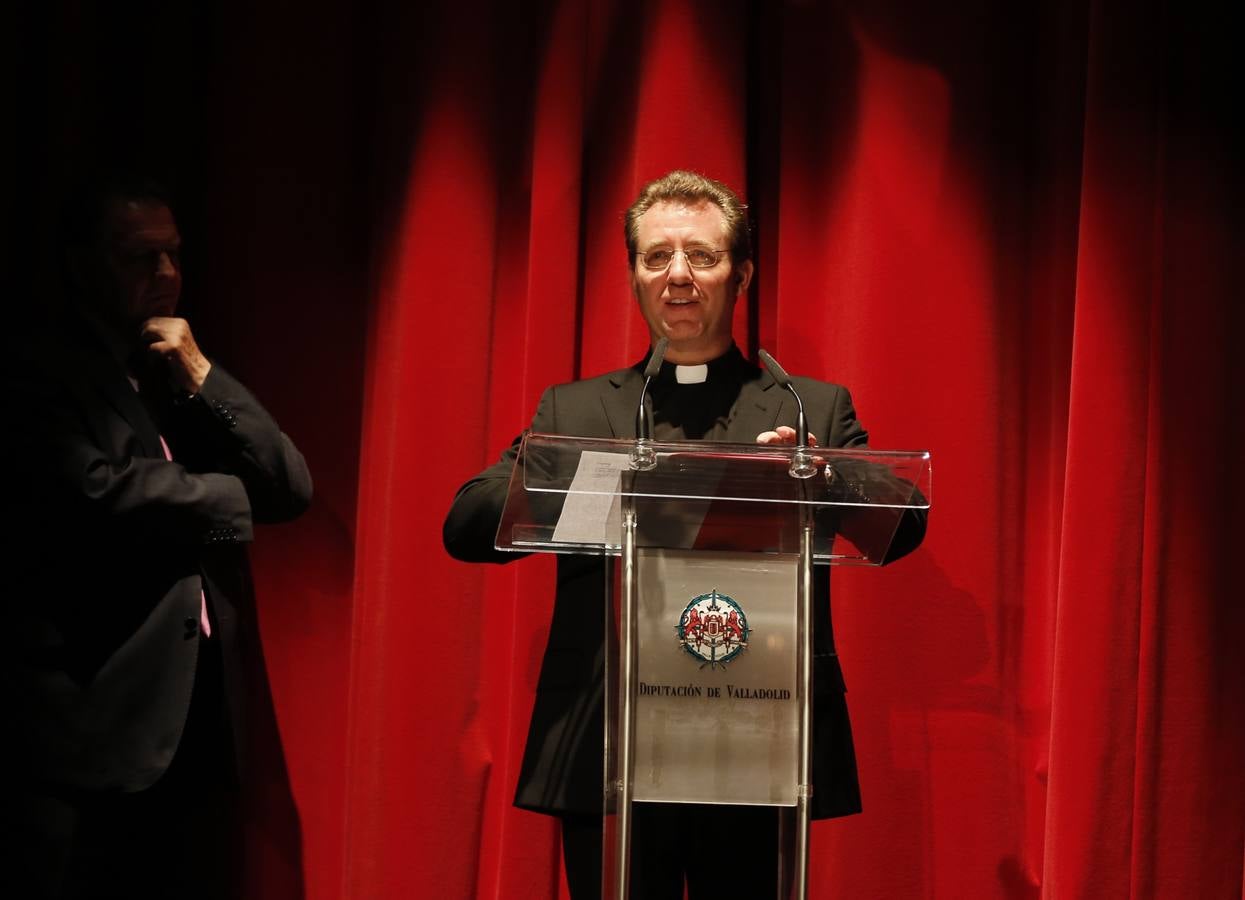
x=132 y=672
x=689 y=251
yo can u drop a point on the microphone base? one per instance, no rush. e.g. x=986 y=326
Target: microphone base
x=802 y=465
x=642 y=457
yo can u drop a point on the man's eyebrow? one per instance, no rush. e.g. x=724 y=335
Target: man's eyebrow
x=142 y=251
x=138 y=242
x=695 y=242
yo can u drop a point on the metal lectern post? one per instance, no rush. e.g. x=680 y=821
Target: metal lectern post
x=626 y=710
x=804 y=790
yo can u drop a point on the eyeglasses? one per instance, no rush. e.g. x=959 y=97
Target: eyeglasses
x=660 y=258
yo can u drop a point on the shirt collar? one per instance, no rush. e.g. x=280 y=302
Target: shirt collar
x=729 y=363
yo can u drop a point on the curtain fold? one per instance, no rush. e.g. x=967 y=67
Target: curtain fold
x=1010 y=235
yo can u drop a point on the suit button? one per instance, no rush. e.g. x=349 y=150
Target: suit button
x=192 y=627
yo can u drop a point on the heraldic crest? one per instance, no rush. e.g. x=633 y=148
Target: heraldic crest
x=713 y=629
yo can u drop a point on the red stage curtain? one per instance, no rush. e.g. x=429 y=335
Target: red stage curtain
x=1013 y=231
x=1010 y=233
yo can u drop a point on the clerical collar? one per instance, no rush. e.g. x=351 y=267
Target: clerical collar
x=691 y=374
x=672 y=373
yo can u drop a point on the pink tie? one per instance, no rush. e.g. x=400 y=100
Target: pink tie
x=204 y=624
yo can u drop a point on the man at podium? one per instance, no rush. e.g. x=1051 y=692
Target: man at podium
x=689 y=246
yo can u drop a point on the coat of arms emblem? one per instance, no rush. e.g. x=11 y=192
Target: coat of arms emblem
x=713 y=629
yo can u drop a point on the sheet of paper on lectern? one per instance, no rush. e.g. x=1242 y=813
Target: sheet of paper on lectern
x=591 y=513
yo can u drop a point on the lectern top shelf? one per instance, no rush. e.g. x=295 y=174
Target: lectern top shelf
x=566 y=496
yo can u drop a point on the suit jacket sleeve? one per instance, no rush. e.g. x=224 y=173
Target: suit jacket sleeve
x=883 y=534
x=244 y=441
x=232 y=465
x=470 y=529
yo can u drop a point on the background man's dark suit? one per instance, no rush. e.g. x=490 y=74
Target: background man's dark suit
x=561 y=772
x=102 y=650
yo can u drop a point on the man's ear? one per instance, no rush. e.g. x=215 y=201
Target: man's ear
x=743 y=275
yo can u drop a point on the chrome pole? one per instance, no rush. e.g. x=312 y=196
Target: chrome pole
x=626 y=707
x=804 y=790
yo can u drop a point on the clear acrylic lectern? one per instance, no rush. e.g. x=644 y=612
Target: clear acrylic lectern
x=708 y=673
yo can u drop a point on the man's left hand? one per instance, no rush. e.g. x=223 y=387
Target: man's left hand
x=784 y=434
x=171 y=340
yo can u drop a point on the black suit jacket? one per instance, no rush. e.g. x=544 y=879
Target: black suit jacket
x=102 y=636
x=561 y=771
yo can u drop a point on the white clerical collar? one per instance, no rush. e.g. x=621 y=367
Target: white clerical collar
x=691 y=374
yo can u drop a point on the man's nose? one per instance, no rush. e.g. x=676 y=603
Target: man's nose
x=679 y=272
x=165 y=267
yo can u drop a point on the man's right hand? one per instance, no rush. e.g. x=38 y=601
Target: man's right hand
x=784 y=434
x=171 y=340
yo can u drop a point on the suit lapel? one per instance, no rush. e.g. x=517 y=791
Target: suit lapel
x=756 y=410
x=101 y=372
x=620 y=402
x=125 y=400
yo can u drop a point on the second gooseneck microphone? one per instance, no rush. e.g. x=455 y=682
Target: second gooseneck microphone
x=802 y=465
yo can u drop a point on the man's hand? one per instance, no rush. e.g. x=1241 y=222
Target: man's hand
x=784 y=435
x=171 y=340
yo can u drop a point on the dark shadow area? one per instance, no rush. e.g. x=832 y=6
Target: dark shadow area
x=251 y=120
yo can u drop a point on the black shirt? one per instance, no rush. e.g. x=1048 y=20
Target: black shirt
x=695 y=412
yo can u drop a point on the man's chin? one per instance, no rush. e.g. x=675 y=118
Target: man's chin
x=161 y=308
x=683 y=330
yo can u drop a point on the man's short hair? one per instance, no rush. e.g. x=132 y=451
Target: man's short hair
x=85 y=213
x=682 y=186
x=87 y=210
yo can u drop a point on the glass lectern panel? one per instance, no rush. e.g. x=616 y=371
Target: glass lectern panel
x=707 y=665
x=565 y=497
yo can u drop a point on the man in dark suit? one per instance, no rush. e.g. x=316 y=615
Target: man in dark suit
x=690 y=256
x=132 y=677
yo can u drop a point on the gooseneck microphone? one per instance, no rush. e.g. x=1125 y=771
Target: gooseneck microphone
x=643 y=417
x=801 y=460
x=642 y=455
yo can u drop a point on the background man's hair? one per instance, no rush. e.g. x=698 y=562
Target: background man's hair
x=682 y=186
x=84 y=216
x=88 y=206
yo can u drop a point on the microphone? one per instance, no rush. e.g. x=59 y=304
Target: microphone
x=801 y=460
x=642 y=456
